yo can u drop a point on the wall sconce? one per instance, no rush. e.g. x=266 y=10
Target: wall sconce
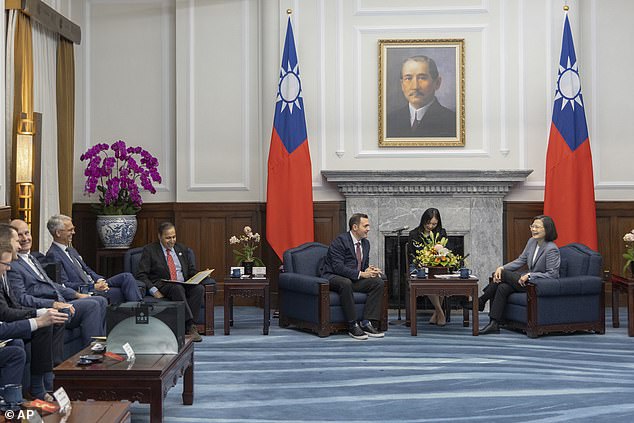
x=24 y=169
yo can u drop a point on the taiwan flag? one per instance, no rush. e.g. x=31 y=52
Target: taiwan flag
x=289 y=204
x=569 y=193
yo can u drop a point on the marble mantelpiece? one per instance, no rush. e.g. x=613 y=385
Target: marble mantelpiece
x=470 y=203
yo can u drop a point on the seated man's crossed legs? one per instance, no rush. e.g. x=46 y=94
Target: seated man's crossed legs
x=192 y=296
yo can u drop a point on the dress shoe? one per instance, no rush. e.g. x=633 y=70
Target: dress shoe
x=492 y=327
x=193 y=332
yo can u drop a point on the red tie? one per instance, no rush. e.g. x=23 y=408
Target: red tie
x=358 y=255
x=170 y=264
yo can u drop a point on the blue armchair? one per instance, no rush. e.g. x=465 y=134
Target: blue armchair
x=205 y=319
x=574 y=302
x=305 y=299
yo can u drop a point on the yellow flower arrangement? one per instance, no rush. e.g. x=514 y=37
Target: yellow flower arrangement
x=435 y=254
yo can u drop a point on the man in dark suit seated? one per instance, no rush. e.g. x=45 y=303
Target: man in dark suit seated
x=18 y=323
x=32 y=287
x=75 y=272
x=347 y=257
x=166 y=260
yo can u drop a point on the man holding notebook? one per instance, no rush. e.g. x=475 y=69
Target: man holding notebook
x=165 y=263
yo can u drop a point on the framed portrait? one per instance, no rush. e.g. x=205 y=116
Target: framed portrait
x=421 y=93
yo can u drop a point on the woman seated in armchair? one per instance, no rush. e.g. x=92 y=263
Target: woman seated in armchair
x=540 y=256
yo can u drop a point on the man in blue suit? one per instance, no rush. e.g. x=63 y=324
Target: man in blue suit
x=75 y=272
x=347 y=268
x=13 y=354
x=32 y=287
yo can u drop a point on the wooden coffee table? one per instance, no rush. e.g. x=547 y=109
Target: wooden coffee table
x=235 y=287
x=145 y=380
x=94 y=411
x=445 y=288
x=621 y=284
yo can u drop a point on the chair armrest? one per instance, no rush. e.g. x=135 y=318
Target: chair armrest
x=53 y=271
x=573 y=285
x=298 y=282
x=208 y=281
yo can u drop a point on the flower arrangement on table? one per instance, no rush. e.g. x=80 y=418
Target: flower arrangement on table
x=435 y=254
x=629 y=250
x=245 y=246
x=119 y=173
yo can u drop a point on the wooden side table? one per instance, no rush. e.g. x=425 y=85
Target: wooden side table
x=621 y=284
x=445 y=288
x=236 y=287
x=113 y=258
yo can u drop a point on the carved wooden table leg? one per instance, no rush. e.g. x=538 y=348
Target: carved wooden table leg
x=188 y=383
x=615 y=305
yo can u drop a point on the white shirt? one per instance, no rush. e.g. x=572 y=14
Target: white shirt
x=417 y=114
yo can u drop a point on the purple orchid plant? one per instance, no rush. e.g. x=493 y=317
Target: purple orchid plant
x=116 y=171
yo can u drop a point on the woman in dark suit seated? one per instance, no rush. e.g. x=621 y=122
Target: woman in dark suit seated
x=541 y=259
x=430 y=227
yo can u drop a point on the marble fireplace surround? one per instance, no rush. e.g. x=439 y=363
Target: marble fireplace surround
x=470 y=204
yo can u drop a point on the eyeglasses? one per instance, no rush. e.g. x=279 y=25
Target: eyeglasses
x=535 y=227
x=6 y=264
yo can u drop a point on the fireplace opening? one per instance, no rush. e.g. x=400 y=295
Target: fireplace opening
x=454 y=242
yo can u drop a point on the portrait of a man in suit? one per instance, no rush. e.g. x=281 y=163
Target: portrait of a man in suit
x=420 y=95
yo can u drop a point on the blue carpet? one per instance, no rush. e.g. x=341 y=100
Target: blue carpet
x=443 y=374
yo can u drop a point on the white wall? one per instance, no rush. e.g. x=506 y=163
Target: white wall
x=195 y=83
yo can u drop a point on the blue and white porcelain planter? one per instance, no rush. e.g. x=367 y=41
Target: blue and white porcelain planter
x=117 y=231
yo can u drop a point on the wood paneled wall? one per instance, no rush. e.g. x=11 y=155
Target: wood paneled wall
x=5 y=214
x=206 y=228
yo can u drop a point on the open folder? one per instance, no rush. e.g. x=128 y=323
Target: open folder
x=194 y=280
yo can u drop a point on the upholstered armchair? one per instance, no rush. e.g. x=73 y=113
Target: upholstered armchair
x=205 y=319
x=305 y=300
x=574 y=302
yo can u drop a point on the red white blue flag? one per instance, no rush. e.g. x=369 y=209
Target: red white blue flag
x=289 y=206
x=569 y=193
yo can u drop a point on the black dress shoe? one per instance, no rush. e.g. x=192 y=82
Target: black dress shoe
x=492 y=327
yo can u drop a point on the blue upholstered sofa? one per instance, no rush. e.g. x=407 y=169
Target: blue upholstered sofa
x=574 y=302
x=305 y=300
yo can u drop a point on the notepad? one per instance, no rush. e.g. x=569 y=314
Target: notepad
x=194 y=280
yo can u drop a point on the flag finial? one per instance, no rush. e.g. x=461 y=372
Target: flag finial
x=289 y=11
x=566 y=7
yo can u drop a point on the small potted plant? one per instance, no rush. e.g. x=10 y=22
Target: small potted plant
x=629 y=252
x=245 y=245
x=119 y=173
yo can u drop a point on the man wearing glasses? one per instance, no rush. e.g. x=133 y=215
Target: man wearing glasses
x=75 y=272
x=43 y=326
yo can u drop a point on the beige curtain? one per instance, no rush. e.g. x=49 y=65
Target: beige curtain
x=65 y=123
x=23 y=84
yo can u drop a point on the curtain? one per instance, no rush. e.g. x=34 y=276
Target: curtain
x=44 y=90
x=9 y=75
x=22 y=87
x=65 y=123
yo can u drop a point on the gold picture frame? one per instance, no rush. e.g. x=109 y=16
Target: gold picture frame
x=433 y=83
